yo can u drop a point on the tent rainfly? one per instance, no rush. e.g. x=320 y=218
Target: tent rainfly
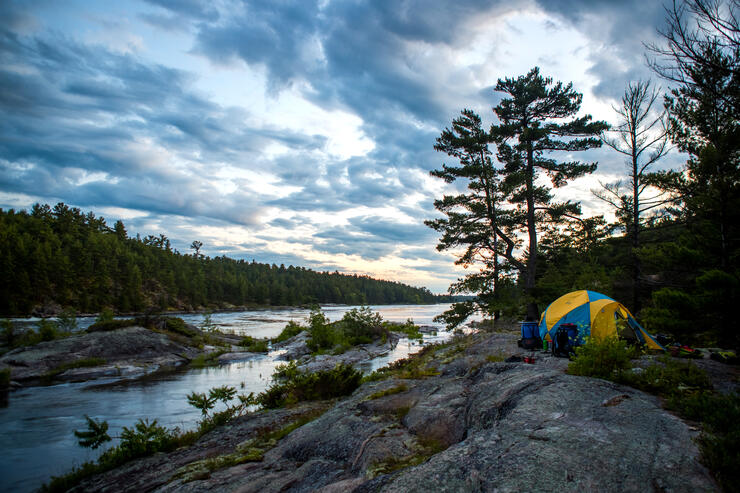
x=596 y=315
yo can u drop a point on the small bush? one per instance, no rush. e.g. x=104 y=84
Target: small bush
x=409 y=329
x=606 y=358
x=204 y=360
x=67 y=320
x=357 y=326
x=8 y=334
x=47 y=329
x=362 y=326
x=323 y=336
x=669 y=378
x=254 y=345
x=4 y=378
x=207 y=325
x=293 y=385
x=109 y=325
x=292 y=329
x=178 y=326
x=106 y=315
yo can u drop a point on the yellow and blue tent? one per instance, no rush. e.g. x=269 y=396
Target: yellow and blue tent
x=596 y=315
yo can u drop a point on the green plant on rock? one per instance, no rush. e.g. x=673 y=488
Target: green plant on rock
x=322 y=334
x=178 y=326
x=254 y=345
x=206 y=402
x=207 y=325
x=292 y=385
x=409 y=329
x=607 y=358
x=362 y=326
x=67 y=320
x=95 y=435
x=292 y=329
x=207 y=359
x=145 y=438
x=390 y=391
x=47 y=329
x=4 y=378
x=109 y=325
x=105 y=315
x=8 y=334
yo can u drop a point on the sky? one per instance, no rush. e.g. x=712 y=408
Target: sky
x=297 y=132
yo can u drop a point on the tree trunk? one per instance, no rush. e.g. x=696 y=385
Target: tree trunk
x=636 y=288
x=532 y=310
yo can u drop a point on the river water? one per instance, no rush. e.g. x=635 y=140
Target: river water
x=37 y=424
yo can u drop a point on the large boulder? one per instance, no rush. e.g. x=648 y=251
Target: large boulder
x=119 y=351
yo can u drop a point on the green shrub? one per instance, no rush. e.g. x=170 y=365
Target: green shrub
x=414 y=366
x=178 y=326
x=254 y=345
x=362 y=326
x=106 y=315
x=109 y=325
x=292 y=329
x=292 y=385
x=4 y=378
x=207 y=359
x=207 y=324
x=357 y=326
x=409 y=329
x=719 y=442
x=47 y=329
x=669 y=378
x=606 y=358
x=8 y=334
x=67 y=320
x=323 y=335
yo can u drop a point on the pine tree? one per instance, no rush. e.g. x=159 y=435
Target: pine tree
x=471 y=218
x=531 y=128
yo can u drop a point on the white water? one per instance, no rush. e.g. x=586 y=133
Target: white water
x=37 y=424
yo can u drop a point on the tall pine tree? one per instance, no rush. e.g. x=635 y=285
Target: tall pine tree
x=537 y=119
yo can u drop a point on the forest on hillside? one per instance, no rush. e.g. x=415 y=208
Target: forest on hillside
x=63 y=256
x=672 y=254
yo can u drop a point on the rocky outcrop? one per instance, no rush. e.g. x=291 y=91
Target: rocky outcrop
x=131 y=351
x=469 y=422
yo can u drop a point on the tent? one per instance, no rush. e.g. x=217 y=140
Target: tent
x=596 y=315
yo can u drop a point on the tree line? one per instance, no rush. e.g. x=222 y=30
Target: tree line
x=672 y=254
x=63 y=256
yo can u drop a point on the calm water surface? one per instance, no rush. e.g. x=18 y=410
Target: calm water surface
x=36 y=424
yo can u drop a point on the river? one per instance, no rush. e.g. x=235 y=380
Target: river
x=36 y=424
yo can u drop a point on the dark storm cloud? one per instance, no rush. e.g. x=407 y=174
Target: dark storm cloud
x=276 y=35
x=621 y=29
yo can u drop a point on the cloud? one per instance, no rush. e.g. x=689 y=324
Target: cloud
x=147 y=129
